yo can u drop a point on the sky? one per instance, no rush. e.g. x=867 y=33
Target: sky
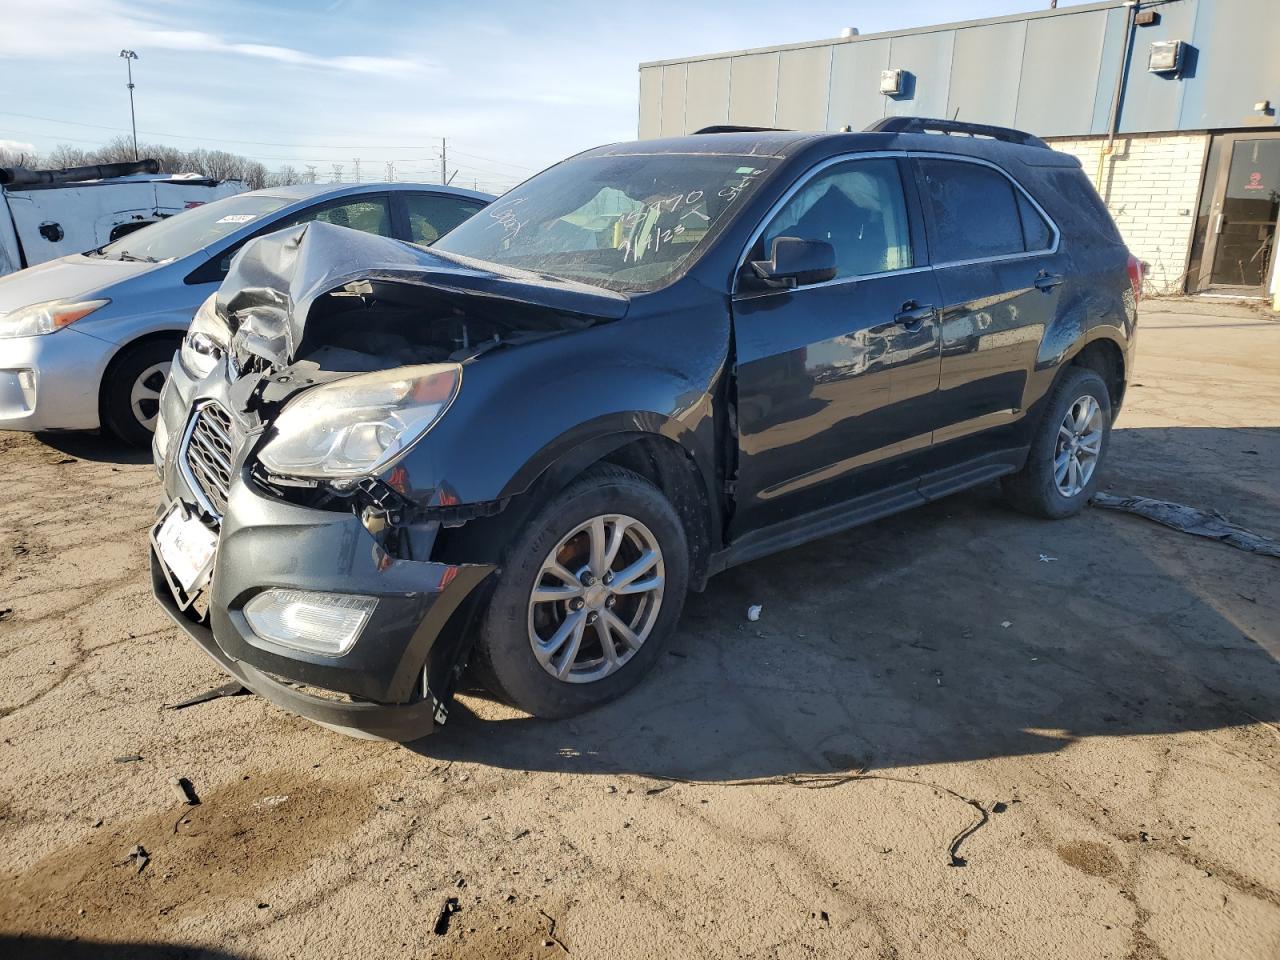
x=512 y=86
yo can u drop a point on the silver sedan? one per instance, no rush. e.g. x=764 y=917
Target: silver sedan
x=86 y=341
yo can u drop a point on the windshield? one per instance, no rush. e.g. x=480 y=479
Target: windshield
x=185 y=233
x=624 y=222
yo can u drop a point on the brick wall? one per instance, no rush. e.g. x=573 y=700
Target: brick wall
x=1151 y=185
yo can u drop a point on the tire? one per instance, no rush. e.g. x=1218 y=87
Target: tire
x=1038 y=488
x=505 y=660
x=146 y=368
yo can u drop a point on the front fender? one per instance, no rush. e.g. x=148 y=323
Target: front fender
x=567 y=399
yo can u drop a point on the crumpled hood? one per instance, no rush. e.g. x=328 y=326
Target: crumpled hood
x=277 y=279
x=68 y=278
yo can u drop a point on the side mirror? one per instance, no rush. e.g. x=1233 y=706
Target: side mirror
x=794 y=262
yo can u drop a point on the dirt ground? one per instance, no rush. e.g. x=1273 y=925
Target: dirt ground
x=955 y=733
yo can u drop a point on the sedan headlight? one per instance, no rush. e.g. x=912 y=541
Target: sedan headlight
x=205 y=342
x=358 y=426
x=41 y=318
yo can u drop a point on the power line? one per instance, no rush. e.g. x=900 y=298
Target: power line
x=185 y=136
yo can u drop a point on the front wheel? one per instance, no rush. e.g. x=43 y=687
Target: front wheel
x=589 y=595
x=1061 y=472
x=131 y=392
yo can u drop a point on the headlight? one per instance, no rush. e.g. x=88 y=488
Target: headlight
x=160 y=442
x=41 y=318
x=359 y=426
x=205 y=342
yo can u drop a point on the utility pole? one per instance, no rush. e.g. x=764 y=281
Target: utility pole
x=311 y=172
x=444 y=160
x=337 y=173
x=391 y=171
x=129 y=56
x=356 y=161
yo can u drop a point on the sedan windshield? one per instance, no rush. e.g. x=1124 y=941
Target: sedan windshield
x=630 y=222
x=185 y=233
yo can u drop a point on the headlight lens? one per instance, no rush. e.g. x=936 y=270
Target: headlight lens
x=41 y=318
x=205 y=342
x=359 y=426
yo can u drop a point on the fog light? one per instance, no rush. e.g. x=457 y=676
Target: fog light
x=323 y=623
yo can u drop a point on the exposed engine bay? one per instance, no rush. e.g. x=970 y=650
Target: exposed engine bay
x=318 y=304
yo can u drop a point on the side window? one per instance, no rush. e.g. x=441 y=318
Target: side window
x=1036 y=234
x=432 y=215
x=370 y=214
x=859 y=208
x=975 y=211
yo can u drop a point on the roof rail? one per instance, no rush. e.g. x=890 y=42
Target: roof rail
x=730 y=128
x=929 y=125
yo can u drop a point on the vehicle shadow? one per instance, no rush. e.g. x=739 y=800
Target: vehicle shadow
x=49 y=948
x=97 y=447
x=959 y=631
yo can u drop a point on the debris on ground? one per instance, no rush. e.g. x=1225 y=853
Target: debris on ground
x=233 y=689
x=754 y=611
x=1006 y=624
x=447 y=910
x=183 y=788
x=129 y=758
x=1045 y=558
x=518 y=834
x=6 y=612
x=139 y=856
x=551 y=932
x=1199 y=523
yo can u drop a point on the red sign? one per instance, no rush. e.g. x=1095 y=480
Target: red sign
x=1255 y=182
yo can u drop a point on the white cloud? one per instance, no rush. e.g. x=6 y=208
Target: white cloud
x=56 y=28
x=17 y=146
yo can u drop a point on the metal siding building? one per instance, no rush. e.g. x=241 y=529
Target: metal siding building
x=1171 y=176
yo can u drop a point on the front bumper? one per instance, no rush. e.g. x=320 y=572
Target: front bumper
x=394 y=681
x=52 y=382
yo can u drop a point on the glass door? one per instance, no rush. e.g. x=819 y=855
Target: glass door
x=1240 y=229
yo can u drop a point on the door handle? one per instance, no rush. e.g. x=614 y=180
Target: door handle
x=912 y=315
x=1218 y=221
x=1047 y=281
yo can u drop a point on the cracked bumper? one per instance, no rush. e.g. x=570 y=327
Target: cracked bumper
x=394 y=681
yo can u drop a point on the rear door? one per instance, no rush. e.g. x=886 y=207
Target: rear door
x=834 y=379
x=999 y=271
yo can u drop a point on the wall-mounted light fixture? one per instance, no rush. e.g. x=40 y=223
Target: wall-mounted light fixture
x=891 y=82
x=1166 y=56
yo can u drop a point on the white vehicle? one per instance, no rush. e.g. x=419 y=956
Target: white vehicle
x=47 y=214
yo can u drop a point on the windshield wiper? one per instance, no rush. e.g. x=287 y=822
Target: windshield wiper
x=133 y=257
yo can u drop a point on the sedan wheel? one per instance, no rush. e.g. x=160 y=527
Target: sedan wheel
x=596 y=598
x=144 y=397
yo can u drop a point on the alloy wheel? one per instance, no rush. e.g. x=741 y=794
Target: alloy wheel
x=596 y=598
x=144 y=396
x=1079 y=443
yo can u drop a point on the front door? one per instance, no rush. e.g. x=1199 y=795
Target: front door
x=1238 y=244
x=832 y=378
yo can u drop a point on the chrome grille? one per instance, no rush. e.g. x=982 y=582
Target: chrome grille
x=208 y=456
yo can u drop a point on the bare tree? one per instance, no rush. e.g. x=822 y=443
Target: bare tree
x=215 y=164
x=284 y=176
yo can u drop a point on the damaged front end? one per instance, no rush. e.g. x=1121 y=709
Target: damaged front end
x=296 y=541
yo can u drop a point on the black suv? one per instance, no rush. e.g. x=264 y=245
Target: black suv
x=520 y=448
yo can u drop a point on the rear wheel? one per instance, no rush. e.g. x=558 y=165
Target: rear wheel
x=131 y=392
x=589 y=595
x=1061 y=472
